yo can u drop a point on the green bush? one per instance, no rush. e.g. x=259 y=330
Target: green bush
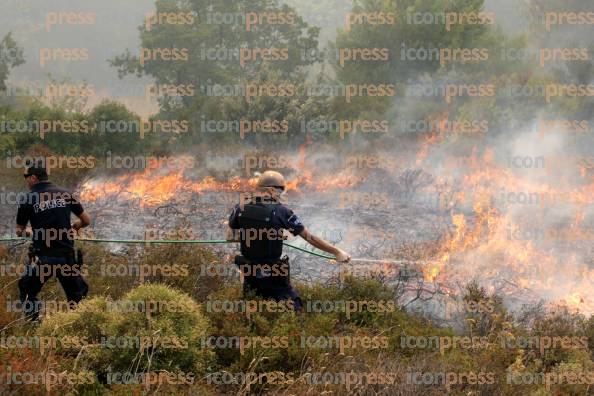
x=158 y=328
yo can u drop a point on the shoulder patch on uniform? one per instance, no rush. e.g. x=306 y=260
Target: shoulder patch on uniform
x=294 y=221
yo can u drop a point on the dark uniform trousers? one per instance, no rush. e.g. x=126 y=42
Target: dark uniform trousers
x=270 y=287
x=277 y=294
x=33 y=280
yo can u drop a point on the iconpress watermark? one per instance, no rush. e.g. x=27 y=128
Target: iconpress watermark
x=343 y=343
x=50 y=162
x=47 y=306
x=348 y=378
x=554 y=19
x=443 y=343
x=144 y=271
x=149 y=307
x=141 y=127
x=244 y=127
x=252 y=18
x=55 y=18
x=154 y=18
x=244 y=343
x=581 y=377
x=249 y=307
x=450 y=378
x=450 y=19
x=150 y=378
x=48 y=378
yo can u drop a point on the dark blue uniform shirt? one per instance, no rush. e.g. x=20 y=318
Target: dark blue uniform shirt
x=48 y=207
x=283 y=218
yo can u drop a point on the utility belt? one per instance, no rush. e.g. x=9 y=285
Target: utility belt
x=72 y=256
x=265 y=275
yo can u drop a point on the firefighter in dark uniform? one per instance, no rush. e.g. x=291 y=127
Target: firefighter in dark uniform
x=258 y=223
x=48 y=207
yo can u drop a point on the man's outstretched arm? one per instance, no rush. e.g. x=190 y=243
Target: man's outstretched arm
x=321 y=244
x=84 y=220
x=22 y=230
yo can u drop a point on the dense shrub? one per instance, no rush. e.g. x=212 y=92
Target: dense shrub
x=158 y=328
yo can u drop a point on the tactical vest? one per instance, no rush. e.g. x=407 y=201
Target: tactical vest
x=255 y=220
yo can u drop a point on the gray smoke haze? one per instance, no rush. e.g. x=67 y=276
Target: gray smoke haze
x=417 y=214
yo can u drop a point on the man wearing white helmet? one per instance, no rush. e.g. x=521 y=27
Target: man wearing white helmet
x=259 y=220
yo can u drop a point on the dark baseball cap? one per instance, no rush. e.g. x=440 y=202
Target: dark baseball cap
x=37 y=169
